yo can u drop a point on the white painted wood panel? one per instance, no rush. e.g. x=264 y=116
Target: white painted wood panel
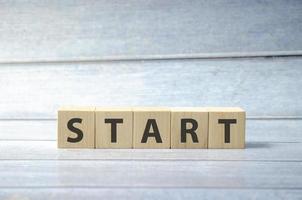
x=148 y=193
x=263 y=87
x=72 y=30
x=185 y=174
x=47 y=150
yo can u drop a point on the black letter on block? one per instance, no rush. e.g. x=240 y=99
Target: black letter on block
x=227 y=123
x=113 y=123
x=191 y=131
x=75 y=130
x=156 y=134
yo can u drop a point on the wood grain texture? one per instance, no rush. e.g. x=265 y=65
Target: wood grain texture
x=265 y=131
x=53 y=53
x=263 y=87
x=151 y=128
x=255 y=151
x=58 y=30
x=226 y=128
x=148 y=193
x=83 y=127
x=185 y=174
x=123 y=129
x=196 y=135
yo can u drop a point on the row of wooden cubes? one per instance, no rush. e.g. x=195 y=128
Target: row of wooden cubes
x=151 y=127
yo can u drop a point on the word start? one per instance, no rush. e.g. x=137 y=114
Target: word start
x=151 y=127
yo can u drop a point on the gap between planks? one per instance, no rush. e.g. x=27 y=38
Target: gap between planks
x=231 y=55
x=247 y=118
x=149 y=187
x=144 y=160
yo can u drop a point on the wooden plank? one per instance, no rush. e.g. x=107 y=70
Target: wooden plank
x=47 y=150
x=148 y=193
x=263 y=131
x=28 y=130
x=263 y=87
x=197 y=174
x=101 y=29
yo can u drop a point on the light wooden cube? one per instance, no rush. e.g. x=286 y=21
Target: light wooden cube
x=114 y=127
x=226 y=128
x=151 y=128
x=76 y=127
x=189 y=128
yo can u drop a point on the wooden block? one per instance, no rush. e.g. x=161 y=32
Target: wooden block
x=151 y=128
x=226 y=128
x=114 y=127
x=189 y=128
x=76 y=127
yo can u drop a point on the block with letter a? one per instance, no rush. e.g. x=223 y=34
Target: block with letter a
x=151 y=128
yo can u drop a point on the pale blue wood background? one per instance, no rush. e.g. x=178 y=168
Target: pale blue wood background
x=166 y=53
x=76 y=29
x=264 y=87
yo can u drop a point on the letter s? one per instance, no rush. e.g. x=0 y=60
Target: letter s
x=75 y=130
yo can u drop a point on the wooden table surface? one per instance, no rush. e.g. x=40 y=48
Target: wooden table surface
x=150 y=53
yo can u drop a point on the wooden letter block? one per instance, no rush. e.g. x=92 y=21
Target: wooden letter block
x=114 y=127
x=226 y=128
x=151 y=128
x=76 y=127
x=189 y=128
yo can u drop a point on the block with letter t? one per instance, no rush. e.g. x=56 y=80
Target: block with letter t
x=113 y=127
x=226 y=128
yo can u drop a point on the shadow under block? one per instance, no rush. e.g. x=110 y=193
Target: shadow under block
x=151 y=128
x=226 y=128
x=76 y=127
x=189 y=128
x=113 y=127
